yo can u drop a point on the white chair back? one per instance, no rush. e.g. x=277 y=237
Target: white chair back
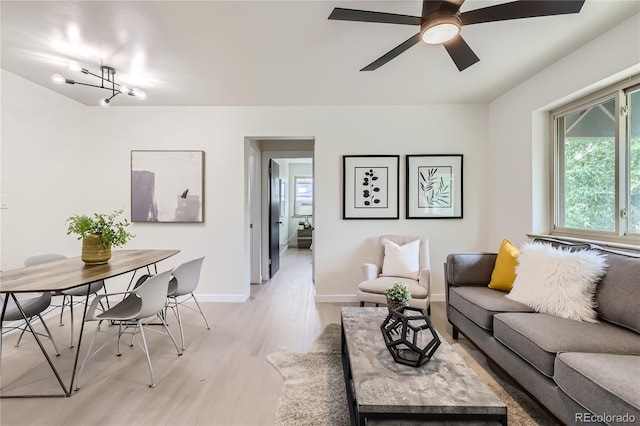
x=187 y=277
x=43 y=258
x=153 y=294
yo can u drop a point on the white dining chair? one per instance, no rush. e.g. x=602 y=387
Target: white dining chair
x=143 y=302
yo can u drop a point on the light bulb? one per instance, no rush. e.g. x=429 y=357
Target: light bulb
x=139 y=94
x=124 y=89
x=58 y=79
x=74 y=66
x=104 y=103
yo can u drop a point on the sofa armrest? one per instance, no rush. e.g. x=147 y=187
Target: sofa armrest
x=469 y=269
x=370 y=271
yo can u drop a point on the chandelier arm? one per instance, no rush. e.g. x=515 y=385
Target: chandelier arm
x=92 y=85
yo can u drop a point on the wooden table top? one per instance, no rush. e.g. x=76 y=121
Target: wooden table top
x=69 y=273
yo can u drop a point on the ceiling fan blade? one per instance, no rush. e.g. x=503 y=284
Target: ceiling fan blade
x=461 y=53
x=392 y=53
x=521 y=9
x=341 y=14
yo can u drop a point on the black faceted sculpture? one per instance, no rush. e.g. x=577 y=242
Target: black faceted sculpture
x=409 y=336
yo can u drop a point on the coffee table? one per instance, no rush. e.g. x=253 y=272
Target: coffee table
x=443 y=391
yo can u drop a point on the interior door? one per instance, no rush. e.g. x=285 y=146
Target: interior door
x=274 y=218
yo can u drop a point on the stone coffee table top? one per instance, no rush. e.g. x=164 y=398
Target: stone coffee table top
x=445 y=385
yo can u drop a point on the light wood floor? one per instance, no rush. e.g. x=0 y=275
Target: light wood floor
x=223 y=377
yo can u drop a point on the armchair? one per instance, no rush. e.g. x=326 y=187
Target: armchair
x=376 y=278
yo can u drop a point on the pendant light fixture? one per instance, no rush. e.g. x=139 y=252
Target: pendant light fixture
x=107 y=81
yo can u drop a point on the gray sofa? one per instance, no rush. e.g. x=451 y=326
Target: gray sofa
x=582 y=373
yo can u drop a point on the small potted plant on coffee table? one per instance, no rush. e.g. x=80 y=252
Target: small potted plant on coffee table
x=99 y=233
x=397 y=295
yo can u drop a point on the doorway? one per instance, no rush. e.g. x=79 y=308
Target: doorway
x=274 y=217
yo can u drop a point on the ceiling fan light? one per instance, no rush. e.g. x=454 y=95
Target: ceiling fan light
x=440 y=32
x=104 y=103
x=125 y=90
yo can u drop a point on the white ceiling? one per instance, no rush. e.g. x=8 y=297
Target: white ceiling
x=281 y=52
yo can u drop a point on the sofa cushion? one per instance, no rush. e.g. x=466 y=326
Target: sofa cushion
x=606 y=383
x=618 y=293
x=479 y=304
x=558 y=281
x=470 y=268
x=401 y=260
x=504 y=271
x=539 y=337
x=381 y=284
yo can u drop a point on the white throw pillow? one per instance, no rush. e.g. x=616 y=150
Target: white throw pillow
x=558 y=282
x=401 y=261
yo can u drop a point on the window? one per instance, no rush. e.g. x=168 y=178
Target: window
x=597 y=166
x=303 y=196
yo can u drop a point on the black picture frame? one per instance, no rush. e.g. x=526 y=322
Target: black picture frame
x=370 y=186
x=434 y=186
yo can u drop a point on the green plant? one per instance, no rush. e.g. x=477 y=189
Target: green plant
x=398 y=292
x=111 y=231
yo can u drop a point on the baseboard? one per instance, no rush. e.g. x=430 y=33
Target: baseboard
x=350 y=298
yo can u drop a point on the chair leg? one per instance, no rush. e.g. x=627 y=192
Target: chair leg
x=146 y=351
x=179 y=322
x=429 y=309
x=64 y=301
x=53 y=342
x=166 y=327
x=23 y=330
x=86 y=358
x=118 y=353
x=454 y=333
x=361 y=304
x=201 y=312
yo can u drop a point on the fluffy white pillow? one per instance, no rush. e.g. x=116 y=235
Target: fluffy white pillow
x=401 y=261
x=558 y=282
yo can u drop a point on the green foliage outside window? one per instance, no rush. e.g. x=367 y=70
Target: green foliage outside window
x=590 y=185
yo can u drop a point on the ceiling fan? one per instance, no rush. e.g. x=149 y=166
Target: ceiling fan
x=441 y=21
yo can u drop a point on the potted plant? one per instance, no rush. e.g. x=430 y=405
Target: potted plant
x=397 y=295
x=99 y=233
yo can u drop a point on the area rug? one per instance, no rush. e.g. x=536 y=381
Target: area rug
x=314 y=391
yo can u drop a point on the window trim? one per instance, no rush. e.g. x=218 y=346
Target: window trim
x=295 y=196
x=618 y=92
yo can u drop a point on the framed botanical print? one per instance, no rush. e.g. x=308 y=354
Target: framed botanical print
x=370 y=186
x=434 y=186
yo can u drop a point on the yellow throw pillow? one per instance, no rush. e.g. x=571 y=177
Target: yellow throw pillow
x=504 y=271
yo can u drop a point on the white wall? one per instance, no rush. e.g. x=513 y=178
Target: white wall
x=519 y=146
x=60 y=158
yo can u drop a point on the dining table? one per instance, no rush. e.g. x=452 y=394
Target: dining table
x=66 y=274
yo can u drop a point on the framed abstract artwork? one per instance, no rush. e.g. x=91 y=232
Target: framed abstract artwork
x=370 y=186
x=167 y=186
x=434 y=186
